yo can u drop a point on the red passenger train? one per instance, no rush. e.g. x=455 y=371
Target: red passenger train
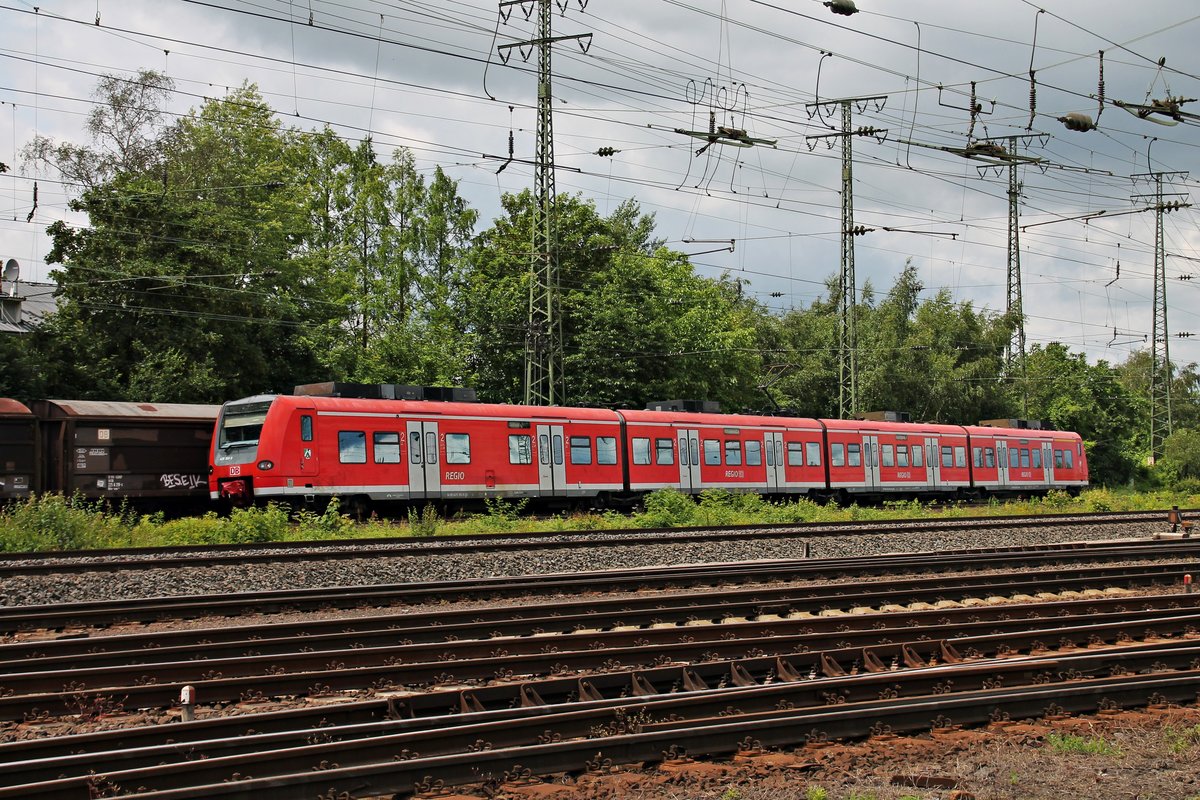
x=310 y=447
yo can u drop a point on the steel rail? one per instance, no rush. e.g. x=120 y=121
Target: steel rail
x=596 y=614
x=269 y=751
x=568 y=740
x=64 y=615
x=283 y=552
x=427 y=664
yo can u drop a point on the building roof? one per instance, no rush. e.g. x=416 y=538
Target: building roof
x=27 y=307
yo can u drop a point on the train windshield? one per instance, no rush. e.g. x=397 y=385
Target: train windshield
x=241 y=424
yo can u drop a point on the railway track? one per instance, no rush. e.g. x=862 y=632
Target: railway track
x=410 y=700
x=203 y=556
x=62 y=616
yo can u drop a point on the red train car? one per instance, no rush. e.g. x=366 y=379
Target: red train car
x=870 y=457
x=697 y=451
x=1006 y=460
x=365 y=450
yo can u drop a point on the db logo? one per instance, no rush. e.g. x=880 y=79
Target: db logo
x=235 y=470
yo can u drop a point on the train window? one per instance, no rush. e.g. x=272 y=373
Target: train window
x=664 y=451
x=754 y=453
x=544 y=449
x=947 y=456
x=779 y=452
x=606 y=449
x=853 y=457
x=431 y=448
x=918 y=455
x=1058 y=459
x=558 y=450
x=414 y=447
x=977 y=457
x=694 y=449
x=733 y=453
x=901 y=455
x=712 y=452
x=837 y=455
x=581 y=450
x=889 y=458
x=683 y=454
x=352 y=447
x=387 y=447
x=458 y=448
x=813 y=452
x=960 y=457
x=795 y=451
x=520 y=448
x=1025 y=457
x=1037 y=459
x=641 y=451
x=989 y=457
x=305 y=428
x=770 y=456
x=1068 y=459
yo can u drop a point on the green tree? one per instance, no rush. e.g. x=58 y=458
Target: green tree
x=189 y=282
x=638 y=324
x=1090 y=400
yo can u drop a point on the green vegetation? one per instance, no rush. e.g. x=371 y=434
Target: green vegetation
x=57 y=523
x=228 y=252
x=1180 y=740
x=1086 y=745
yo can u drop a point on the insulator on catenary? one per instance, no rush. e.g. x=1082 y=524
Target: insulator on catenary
x=1076 y=121
x=843 y=7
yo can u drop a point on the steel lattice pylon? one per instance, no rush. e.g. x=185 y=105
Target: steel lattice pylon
x=544 y=331
x=543 y=336
x=1014 y=306
x=1160 y=352
x=847 y=289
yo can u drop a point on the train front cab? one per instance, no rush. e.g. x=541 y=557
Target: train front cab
x=692 y=452
x=876 y=458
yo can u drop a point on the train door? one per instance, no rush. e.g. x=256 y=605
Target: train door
x=1002 y=463
x=933 y=463
x=773 y=444
x=871 y=461
x=552 y=470
x=1048 y=461
x=424 y=467
x=689 y=460
x=308 y=450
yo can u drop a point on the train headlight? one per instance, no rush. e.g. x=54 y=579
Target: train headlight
x=265 y=465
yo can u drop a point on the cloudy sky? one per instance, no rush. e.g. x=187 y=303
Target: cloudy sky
x=427 y=76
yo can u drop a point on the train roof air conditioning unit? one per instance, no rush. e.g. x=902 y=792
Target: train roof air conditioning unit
x=688 y=406
x=885 y=416
x=1023 y=424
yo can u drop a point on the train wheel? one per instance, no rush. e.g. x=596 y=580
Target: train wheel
x=359 y=507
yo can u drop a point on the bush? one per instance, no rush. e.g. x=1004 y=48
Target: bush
x=53 y=522
x=666 y=508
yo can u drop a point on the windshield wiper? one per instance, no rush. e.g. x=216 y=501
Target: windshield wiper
x=232 y=445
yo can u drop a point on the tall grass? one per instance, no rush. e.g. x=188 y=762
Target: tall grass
x=53 y=522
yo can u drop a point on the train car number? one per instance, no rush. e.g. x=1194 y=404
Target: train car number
x=735 y=473
x=456 y=476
